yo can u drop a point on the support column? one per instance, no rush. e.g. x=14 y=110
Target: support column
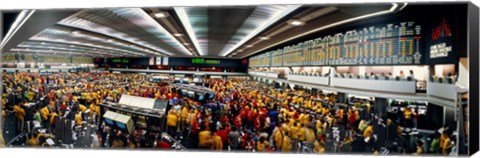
x=314 y=91
x=380 y=107
x=342 y=97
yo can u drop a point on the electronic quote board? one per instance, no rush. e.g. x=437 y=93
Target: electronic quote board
x=262 y=60
x=390 y=44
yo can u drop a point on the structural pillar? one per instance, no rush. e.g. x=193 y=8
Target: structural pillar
x=342 y=98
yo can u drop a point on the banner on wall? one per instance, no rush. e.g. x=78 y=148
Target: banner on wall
x=165 y=61
x=158 y=60
x=440 y=42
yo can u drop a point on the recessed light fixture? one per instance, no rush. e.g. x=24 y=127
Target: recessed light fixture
x=295 y=22
x=240 y=50
x=249 y=46
x=160 y=15
x=110 y=40
x=186 y=44
x=177 y=34
x=42 y=43
x=264 y=38
x=72 y=46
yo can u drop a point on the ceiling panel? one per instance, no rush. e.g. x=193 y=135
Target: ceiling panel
x=229 y=20
x=226 y=31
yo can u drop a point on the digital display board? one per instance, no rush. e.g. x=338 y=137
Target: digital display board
x=390 y=44
x=205 y=61
x=120 y=61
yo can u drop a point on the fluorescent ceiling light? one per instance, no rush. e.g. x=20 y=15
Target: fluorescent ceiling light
x=184 y=19
x=177 y=34
x=264 y=38
x=160 y=15
x=76 y=32
x=19 y=21
x=394 y=6
x=295 y=22
x=259 y=23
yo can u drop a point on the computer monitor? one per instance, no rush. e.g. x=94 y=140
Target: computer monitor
x=109 y=117
x=210 y=96
x=191 y=94
x=121 y=126
x=109 y=122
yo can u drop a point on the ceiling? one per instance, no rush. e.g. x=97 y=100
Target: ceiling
x=227 y=31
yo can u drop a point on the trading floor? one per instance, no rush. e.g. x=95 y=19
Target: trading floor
x=372 y=79
x=241 y=114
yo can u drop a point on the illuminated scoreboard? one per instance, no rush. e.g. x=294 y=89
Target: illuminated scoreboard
x=390 y=44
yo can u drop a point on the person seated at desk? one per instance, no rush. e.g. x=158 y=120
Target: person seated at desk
x=411 y=74
x=402 y=75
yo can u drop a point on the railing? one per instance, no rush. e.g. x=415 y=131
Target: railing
x=376 y=83
x=264 y=74
x=312 y=78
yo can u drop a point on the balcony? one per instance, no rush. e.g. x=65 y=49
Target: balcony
x=382 y=84
x=442 y=88
x=309 y=78
x=264 y=74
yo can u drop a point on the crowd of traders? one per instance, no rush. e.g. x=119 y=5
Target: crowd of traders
x=243 y=115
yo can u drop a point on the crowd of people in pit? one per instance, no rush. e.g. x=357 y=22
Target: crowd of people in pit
x=243 y=115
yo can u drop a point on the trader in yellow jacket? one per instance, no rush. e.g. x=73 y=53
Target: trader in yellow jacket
x=286 y=143
x=78 y=119
x=217 y=142
x=20 y=115
x=33 y=141
x=318 y=147
x=205 y=139
x=262 y=144
x=278 y=137
x=2 y=141
x=446 y=144
x=45 y=113
x=368 y=131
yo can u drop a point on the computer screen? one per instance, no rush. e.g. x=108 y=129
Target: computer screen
x=121 y=126
x=109 y=122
